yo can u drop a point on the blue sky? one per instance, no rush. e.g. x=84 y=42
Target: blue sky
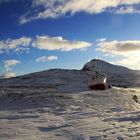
x=43 y=34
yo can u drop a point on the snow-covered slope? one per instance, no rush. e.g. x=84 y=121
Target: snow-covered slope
x=78 y=79
x=46 y=114
x=68 y=80
x=106 y=67
x=117 y=75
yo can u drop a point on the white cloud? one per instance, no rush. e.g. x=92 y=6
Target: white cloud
x=9 y=74
x=130 y=61
x=120 y=47
x=52 y=57
x=8 y=64
x=58 y=43
x=16 y=45
x=129 y=50
x=40 y=42
x=48 y=58
x=101 y=40
x=57 y=8
x=127 y=10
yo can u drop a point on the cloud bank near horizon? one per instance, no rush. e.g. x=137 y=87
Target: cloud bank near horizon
x=8 y=65
x=129 y=50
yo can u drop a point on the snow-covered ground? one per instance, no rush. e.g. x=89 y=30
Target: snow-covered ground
x=57 y=105
x=47 y=114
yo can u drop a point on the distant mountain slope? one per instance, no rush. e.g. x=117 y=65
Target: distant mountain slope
x=106 y=67
x=117 y=75
x=76 y=80
x=65 y=80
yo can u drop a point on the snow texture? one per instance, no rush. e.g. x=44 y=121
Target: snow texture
x=57 y=105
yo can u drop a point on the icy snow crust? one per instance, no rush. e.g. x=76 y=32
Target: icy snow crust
x=39 y=114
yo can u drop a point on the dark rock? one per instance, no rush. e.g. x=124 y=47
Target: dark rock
x=135 y=98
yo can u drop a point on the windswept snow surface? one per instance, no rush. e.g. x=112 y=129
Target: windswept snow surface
x=33 y=113
x=57 y=105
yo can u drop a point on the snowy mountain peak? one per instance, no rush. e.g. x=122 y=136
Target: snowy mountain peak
x=96 y=64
